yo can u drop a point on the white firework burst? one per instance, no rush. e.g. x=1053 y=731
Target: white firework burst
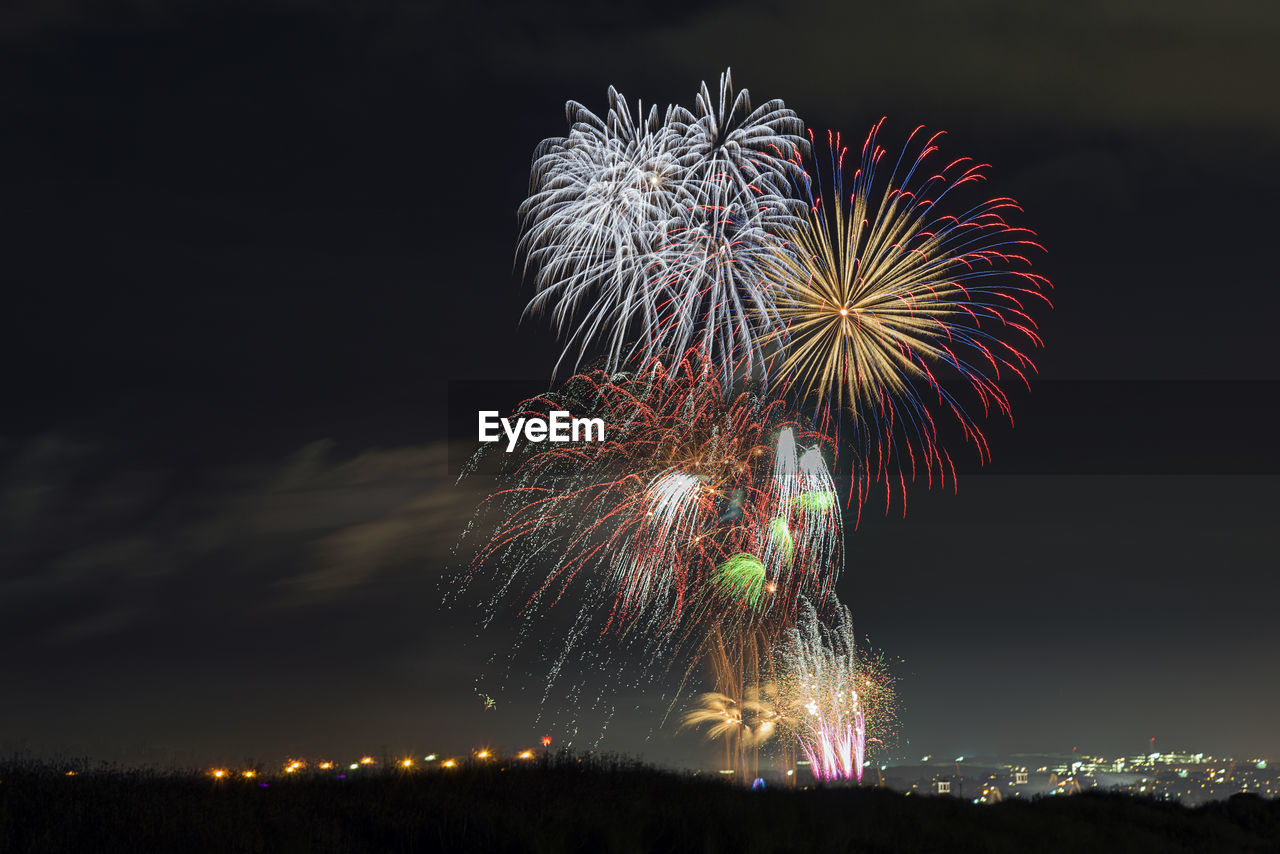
x=649 y=237
x=602 y=202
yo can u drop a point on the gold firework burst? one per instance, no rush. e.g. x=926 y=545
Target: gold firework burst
x=873 y=293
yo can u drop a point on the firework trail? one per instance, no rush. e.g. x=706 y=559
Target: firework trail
x=744 y=724
x=649 y=237
x=887 y=291
x=702 y=514
x=749 y=721
x=602 y=201
x=831 y=697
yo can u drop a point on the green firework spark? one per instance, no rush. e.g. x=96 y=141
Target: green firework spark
x=741 y=575
x=816 y=502
x=780 y=531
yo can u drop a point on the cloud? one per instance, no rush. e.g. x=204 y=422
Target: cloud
x=95 y=546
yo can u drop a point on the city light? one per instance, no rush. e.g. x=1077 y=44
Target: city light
x=1192 y=779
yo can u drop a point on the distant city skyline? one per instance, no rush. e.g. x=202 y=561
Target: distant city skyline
x=1192 y=779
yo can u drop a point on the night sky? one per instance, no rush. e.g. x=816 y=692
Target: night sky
x=248 y=247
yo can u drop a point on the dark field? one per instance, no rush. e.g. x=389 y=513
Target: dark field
x=588 y=807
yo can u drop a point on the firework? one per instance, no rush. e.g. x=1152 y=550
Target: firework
x=832 y=697
x=886 y=292
x=742 y=167
x=601 y=204
x=649 y=237
x=694 y=522
x=741 y=577
x=749 y=721
x=697 y=498
x=744 y=724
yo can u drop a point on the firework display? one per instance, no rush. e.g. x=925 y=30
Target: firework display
x=885 y=293
x=753 y=314
x=673 y=526
x=744 y=724
x=832 y=696
x=649 y=237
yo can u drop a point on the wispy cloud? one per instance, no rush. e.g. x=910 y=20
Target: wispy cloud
x=94 y=546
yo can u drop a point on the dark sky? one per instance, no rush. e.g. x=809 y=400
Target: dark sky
x=248 y=247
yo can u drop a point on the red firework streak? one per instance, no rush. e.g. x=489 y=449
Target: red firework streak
x=700 y=507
